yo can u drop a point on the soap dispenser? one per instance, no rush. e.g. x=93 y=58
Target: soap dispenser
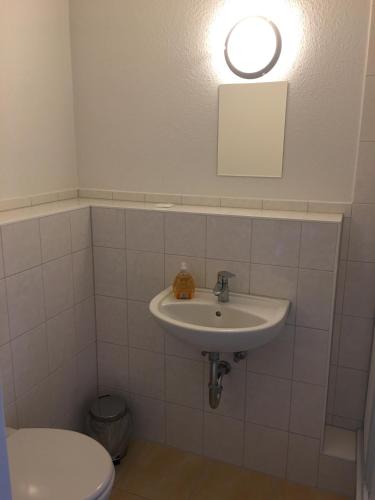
x=183 y=285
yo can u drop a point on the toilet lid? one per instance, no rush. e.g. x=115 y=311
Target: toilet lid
x=56 y=464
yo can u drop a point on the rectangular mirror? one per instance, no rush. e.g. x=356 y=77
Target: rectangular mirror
x=251 y=129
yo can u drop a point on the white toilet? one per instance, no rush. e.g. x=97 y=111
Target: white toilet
x=54 y=464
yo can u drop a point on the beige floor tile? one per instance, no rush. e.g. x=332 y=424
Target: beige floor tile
x=159 y=473
x=155 y=472
x=328 y=495
x=227 y=482
x=292 y=491
x=123 y=495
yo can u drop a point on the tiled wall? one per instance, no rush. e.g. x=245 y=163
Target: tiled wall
x=48 y=363
x=272 y=410
x=355 y=307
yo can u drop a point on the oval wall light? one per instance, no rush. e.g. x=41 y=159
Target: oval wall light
x=253 y=47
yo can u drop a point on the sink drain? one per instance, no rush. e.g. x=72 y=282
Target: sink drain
x=218 y=314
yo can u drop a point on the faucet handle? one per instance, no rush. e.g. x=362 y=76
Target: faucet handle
x=225 y=275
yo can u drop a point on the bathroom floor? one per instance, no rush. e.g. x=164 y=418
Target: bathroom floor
x=155 y=472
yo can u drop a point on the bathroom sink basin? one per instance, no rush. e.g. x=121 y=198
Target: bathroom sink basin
x=245 y=322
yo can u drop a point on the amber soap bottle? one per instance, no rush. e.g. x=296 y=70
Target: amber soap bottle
x=183 y=285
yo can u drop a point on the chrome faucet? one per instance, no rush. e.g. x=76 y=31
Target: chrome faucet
x=221 y=289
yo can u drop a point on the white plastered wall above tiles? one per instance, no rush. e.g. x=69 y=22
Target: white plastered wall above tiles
x=154 y=127
x=37 y=138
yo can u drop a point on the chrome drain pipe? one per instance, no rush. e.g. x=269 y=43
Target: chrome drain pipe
x=217 y=371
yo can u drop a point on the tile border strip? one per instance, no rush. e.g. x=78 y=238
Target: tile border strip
x=344 y=208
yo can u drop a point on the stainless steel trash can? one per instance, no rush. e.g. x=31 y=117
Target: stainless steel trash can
x=109 y=422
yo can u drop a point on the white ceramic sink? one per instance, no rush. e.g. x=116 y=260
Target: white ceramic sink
x=245 y=322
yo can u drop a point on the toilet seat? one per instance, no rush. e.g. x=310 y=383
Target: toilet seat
x=56 y=464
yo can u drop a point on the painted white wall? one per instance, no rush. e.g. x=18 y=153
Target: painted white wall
x=37 y=144
x=146 y=75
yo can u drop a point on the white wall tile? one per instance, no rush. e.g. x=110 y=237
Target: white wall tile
x=144 y=230
x=11 y=417
x=185 y=428
x=85 y=323
x=228 y=238
x=337 y=475
x=274 y=281
x=87 y=377
x=307 y=411
x=111 y=320
x=335 y=343
x=128 y=196
x=61 y=339
x=110 y=272
x=113 y=366
x=196 y=267
x=355 y=342
x=63 y=394
x=286 y=205
x=163 y=198
x=143 y=330
x=362 y=234
x=148 y=417
x=25 y=301
x=332 y=377
x=347 y=423
x=340 y=286
x=351 y=387
x=4 y=320
x=7 y=375
x=233 y=396
x=108 y=227
x=2 y=270
x=368 y=118
x=58 y=285
x=239 y=283
x=80 y=223
x=83 y=275
x=318 y=245
x=234 y=202
x=266 y=450
x=359 y=297
x=276 y=242
x=146 y=372
x=184 y=381
x=202 y=201
x=21 y=246
x=223 y=438
x=185 y=234
x=303 y=459
x=145 y=276
x=30 y=358
x=345 y=237
x=176 y=347
x=274 y=358
x=55 y=236
x=315 y=298
x=268 y=401
x=33 y=408
x=365 y=176
x=311 y=356
x=74 y=379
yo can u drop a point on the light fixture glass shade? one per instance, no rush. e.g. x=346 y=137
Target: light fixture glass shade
x=253 y=47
